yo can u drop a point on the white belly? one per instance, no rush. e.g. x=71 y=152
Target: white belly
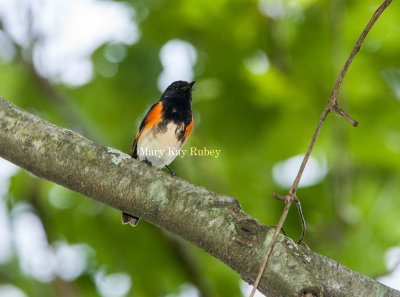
x=160 y=148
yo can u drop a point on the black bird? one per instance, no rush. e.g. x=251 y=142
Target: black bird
x=164 y=130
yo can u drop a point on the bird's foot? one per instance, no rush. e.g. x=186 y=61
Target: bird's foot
x=170 y=170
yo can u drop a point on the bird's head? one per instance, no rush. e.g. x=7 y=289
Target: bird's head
x=178 y=89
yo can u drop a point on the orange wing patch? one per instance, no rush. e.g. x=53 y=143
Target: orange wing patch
x=153 y=117
x=189 y=129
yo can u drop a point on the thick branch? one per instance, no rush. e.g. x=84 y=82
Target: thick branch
x=213 y=222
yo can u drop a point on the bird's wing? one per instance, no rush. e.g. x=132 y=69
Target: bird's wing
x=153 y=117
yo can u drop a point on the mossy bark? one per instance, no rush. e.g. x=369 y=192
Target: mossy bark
x=213 y=222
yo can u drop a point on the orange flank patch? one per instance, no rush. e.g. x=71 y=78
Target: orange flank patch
x=189 y=129
x=154 y=116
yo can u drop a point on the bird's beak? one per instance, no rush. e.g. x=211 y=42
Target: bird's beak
x=192 y=83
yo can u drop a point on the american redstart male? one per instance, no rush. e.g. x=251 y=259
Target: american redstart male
x=164 y=130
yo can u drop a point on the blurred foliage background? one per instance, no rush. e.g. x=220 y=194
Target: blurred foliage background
x=264 y=72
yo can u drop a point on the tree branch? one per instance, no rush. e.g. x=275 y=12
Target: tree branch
x=213 y=222
x=332 y=105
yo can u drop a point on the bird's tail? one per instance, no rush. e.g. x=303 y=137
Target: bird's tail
x=128 y=219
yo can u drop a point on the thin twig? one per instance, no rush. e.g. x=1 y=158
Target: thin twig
x=331 y=106
x=269 y=250
x=296 y=182
x=345 y=115
x=283 y=230
x=303 y=223
x=355 y=50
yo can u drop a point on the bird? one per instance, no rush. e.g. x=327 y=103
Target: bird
x=163 y=131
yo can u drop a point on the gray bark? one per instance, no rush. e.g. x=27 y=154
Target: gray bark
x=216 y=223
